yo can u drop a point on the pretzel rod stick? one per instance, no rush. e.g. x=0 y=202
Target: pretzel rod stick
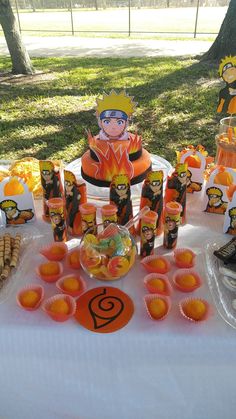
x=5 y=273
x=15 y=252
x=7 y=248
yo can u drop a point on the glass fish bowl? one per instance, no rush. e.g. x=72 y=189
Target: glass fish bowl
x=226 y=142
x=107 y=254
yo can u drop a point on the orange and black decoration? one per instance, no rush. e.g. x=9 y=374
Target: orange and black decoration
x=227 y=95
x=104 y=309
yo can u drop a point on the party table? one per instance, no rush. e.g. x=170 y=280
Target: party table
x=149 y=369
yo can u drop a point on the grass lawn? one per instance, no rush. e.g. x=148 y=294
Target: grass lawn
x=177 y=20
x=176 y=98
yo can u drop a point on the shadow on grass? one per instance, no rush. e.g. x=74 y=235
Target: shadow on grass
x=172 y=109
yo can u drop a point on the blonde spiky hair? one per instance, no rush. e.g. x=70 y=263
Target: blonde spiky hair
x=232 y=211
x=214 y=191
x=155 y=175
x=46 y=165
x=181 y=167
x=8 y=203
x=116 y=101
x=120 y=180
x=226 y=60
x=69 y=176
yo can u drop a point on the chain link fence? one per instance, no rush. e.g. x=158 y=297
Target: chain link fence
x=173 y=17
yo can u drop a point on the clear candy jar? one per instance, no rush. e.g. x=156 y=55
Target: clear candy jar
x=109 y=254
x=226 y=142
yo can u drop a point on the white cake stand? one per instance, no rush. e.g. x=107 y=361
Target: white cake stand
x=101 y=194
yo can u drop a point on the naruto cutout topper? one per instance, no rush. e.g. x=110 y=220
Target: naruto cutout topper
x=16 y=202
x=227 y=95
x=51 y=183
x=75 y=195
x=196 y=165
x=113 y=113
x=215 y=199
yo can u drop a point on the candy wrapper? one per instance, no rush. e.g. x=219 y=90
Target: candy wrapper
x=215 y=198
x=16 y=202
x=88 y=218
x=152 y=196
x=51 y=183
x=176 y=188
x=75 y=195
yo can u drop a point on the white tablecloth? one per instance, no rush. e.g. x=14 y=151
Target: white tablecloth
x=169 y=369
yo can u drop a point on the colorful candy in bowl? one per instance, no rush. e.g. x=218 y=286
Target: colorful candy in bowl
x=109 y=254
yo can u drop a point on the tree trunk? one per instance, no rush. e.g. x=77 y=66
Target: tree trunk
x=21 y=63
x=225 y=43
x=96 y=4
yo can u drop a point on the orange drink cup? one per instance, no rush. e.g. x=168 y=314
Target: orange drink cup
x=147 y=233
x=57 y=217
x=172 y=214
x=88 y=217
x=109 y=214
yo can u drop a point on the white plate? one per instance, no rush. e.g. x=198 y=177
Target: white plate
x=223 y=297
x=102 y=194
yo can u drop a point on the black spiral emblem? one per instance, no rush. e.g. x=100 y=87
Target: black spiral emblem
x=104 y=309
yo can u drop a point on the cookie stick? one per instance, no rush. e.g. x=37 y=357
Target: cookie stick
x=5 y=273
x=7 y=248
x=15 y=252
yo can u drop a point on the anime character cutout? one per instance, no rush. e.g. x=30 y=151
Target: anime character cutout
x=192 y=186
x=120 y=195
x=215 y=203
x=148 y=239
x=152 y=193
x=232 y=226
x=58 y=225
x=73 y=195
x=171 y=231
x=113 y=113
x=227 y=95
x=178 y=181
x=15 y=216
x=50 y=179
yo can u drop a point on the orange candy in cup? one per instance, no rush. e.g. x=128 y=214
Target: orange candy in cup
x=186 y=280
x=60 y=307
x=157 y=283
x=30 y=297
x=55 y=251
x=194 y=309
x=157 y=306
x=74 y=259
x=71 y=284
x=184 y=258
x=49 y=271
x=156 y=264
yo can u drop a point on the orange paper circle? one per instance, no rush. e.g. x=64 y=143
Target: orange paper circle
x=104 y=309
